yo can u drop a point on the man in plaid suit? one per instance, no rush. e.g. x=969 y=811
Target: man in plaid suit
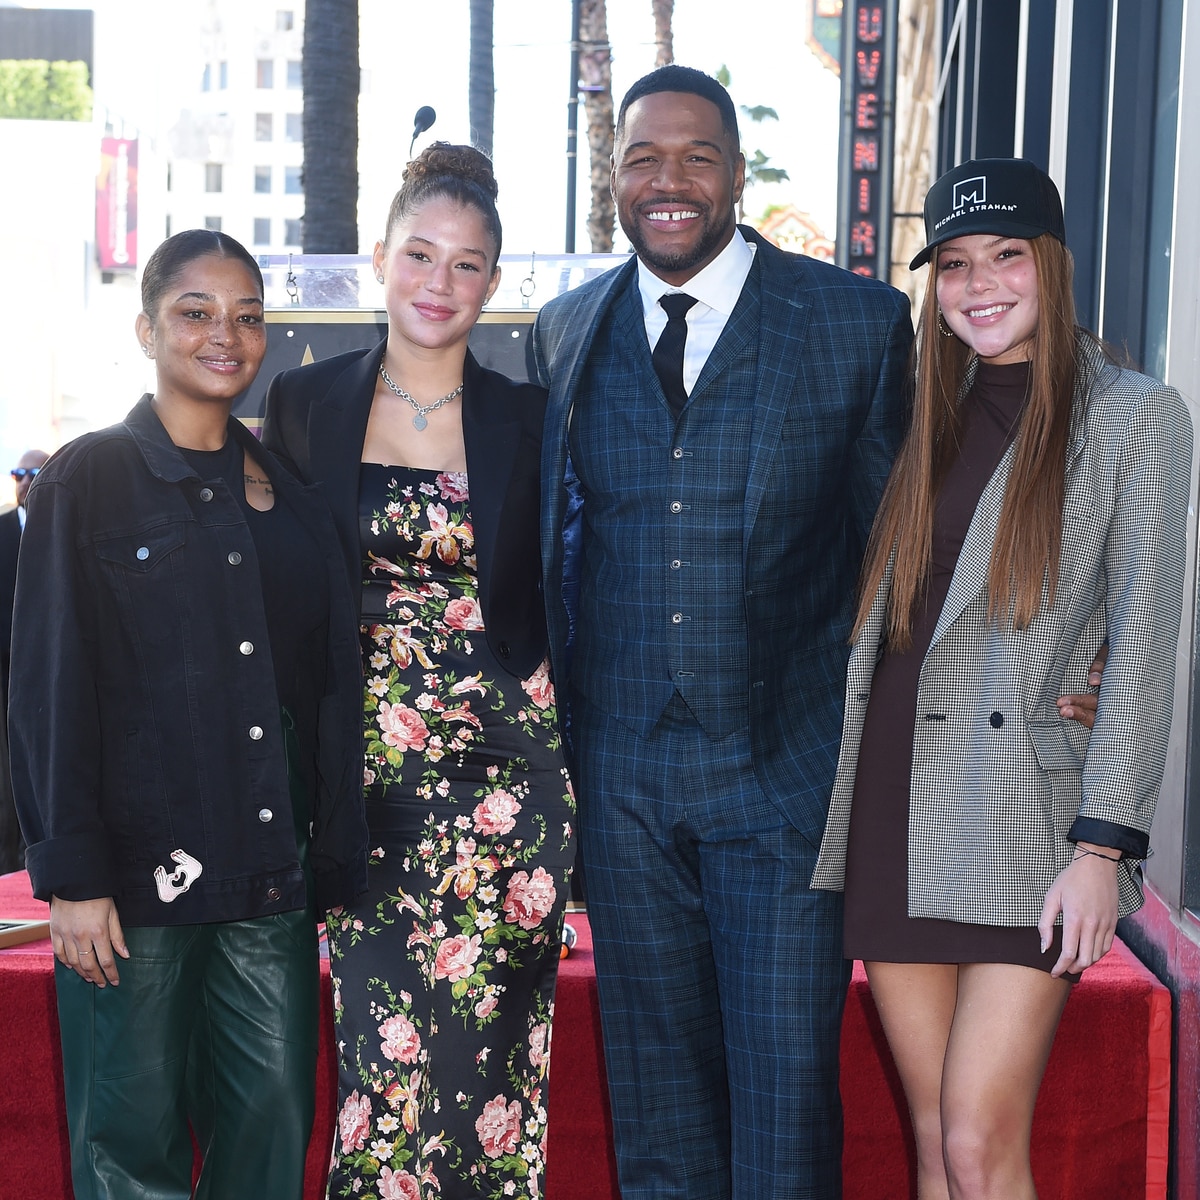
x=700 y=567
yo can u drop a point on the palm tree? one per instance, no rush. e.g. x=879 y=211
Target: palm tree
x=595 y=76
x=481 y=85
x=664 y=43
x=757 y=169
x=329 y=75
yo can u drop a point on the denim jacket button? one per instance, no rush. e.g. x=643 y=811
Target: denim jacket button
x=265 y=815
x=143 y=553
x=273 y=893
x=234 y=558
x=256 y=733
x=206 y=494
x=246 y=647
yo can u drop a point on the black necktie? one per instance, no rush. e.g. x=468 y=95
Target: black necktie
x=668 y=352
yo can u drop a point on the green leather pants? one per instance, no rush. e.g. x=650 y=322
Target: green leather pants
x=212 y=1032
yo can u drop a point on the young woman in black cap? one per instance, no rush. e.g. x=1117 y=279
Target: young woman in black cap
x=1037 y=509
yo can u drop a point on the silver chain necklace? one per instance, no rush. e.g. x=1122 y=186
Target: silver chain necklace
x=423 y=411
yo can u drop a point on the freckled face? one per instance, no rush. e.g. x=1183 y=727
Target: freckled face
x=207 y=338
x=676 y=179
x=988 y=293
x=438 y=272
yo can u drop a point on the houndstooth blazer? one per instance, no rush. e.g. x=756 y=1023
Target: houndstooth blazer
x=998 y=777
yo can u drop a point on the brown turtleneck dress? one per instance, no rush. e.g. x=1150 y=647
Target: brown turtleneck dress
x=878 y=927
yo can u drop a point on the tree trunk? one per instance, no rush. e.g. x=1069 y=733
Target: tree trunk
x=595 y=74
x=330 y=78
x=481 y=85
x=664 y=42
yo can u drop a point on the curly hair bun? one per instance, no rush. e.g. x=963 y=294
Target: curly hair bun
x=440 y=159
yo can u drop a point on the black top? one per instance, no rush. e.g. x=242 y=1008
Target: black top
x=145 y=720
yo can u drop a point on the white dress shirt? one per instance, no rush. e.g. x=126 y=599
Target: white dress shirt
x=716 y=289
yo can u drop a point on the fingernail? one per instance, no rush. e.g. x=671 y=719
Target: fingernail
x=1043 y=945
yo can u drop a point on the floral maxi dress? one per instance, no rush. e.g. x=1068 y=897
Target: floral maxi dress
x=444 y=972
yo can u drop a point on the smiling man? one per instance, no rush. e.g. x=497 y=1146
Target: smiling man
x=721 y=423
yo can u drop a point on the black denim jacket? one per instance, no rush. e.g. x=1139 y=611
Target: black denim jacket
x=144 y=719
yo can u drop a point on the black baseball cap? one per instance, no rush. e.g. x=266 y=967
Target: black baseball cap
x=1007 y=197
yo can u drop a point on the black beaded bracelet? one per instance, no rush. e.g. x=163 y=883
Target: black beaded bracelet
x=1080 y=850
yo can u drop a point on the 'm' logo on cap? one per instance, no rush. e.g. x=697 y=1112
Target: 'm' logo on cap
x=970 y=191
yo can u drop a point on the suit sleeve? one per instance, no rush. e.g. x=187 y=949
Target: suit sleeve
x=280 y=428
x=1145 y=557
x=881 y=434
x=54 y=722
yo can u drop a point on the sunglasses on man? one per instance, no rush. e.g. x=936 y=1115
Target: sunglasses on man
x=20 y=472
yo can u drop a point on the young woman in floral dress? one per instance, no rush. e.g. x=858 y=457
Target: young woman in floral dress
x=444 y=973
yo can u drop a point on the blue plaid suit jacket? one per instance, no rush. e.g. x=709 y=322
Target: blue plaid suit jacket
x=829 y=414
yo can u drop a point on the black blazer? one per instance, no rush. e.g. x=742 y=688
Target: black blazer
x=316 y=419
x=10 y=544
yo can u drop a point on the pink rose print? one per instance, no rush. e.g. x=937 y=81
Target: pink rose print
x=399 y=1039
x=499 y=1127
x=402 y=727
x=464 y=612
x=456 y=956
x=486 y=1006
x=398 y=1185
x=539 y=688
x=453 y=486
x=496 y=813
x=529 y=899
x=537 y=1046
x=354 y=1122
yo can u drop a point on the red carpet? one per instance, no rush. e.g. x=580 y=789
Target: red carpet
x=1101 y=1127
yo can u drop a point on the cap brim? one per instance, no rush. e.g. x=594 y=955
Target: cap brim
x=1011 y=229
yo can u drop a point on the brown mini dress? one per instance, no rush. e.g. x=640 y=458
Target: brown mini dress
x=877 y=925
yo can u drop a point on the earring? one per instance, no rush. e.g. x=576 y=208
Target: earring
x=147 y=352
x=379 y=277
x=943 y=328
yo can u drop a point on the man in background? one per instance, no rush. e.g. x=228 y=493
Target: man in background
x=12 y=523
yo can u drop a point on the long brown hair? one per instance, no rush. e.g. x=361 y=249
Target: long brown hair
x=1025 y=556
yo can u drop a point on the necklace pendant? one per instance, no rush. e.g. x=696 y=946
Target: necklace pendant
x=419 y=422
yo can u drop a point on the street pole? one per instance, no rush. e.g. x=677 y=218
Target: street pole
x=573 y=125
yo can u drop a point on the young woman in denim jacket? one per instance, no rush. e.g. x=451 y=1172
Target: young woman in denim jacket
x=185 y=754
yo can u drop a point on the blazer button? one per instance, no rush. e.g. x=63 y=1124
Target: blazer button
x=996 y=720
x=503 y=650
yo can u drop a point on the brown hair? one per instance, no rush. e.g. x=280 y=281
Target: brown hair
x=177 y=253
x=1025 y=555
x=459 y=173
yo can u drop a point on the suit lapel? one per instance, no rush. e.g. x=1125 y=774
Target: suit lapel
x=337 y=428
x=782 y=315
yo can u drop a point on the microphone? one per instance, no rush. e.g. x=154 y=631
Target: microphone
x=422 y=121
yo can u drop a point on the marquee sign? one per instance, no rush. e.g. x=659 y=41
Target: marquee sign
x=865 y=166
